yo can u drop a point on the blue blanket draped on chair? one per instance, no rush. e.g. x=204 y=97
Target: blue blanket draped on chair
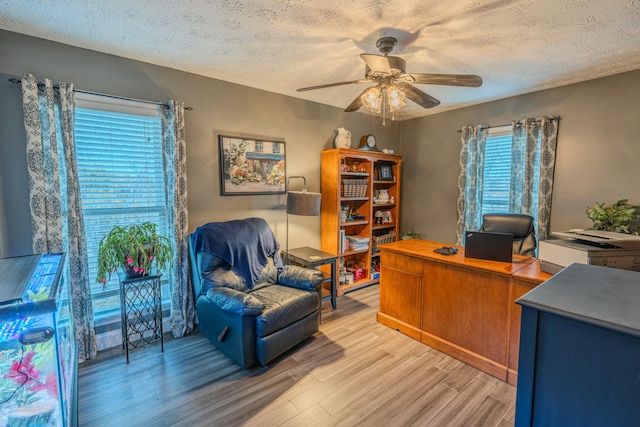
x=245 y=244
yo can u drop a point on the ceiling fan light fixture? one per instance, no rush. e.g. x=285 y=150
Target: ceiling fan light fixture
x=372 y=99
x=395 y=98
x=393 y=85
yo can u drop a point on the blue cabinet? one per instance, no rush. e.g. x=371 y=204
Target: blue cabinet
x=38 y=355
x=579 y=361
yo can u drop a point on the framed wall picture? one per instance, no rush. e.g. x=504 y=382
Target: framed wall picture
x=251 y=166
x=385 y=172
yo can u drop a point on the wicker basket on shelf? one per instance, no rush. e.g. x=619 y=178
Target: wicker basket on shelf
x=385 y=238
x=354 y=187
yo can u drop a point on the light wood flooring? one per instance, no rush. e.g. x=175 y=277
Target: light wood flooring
x=354 y=372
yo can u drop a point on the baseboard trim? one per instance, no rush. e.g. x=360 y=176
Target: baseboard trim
x=113 y=338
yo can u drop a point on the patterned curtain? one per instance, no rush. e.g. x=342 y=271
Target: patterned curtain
x=175 y=166
x=57 y=224
x=532 y=169
x=471 y=180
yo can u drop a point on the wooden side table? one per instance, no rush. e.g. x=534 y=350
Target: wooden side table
x=312 y=258
x=141 y=311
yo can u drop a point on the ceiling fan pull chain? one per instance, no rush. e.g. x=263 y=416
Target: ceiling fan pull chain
x=384 y=107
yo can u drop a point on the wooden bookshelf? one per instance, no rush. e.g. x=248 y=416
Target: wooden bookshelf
x=350 y=182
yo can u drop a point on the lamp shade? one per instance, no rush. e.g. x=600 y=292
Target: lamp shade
x=396 y=98
x=303 y=203
x=372 y=99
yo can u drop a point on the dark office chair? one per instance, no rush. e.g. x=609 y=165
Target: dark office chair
x=521 y=226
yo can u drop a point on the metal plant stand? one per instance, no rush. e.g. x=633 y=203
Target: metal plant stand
x=141 y=311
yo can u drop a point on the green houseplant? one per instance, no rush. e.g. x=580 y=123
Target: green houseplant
x=617 y=218
x=134 y=248
x=406 y=235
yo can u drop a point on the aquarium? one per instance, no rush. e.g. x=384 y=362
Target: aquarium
x=38 y=360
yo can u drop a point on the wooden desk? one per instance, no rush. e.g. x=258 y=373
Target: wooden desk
x=313 y=258
x=460 y=306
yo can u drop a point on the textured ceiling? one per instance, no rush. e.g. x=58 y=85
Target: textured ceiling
x=516 y=46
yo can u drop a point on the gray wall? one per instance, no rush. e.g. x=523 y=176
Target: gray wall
x=598 y=145
x=598 y=157
x=219 y=108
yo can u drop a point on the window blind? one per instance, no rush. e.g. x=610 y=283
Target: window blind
x=497 y=173
x=121 y=175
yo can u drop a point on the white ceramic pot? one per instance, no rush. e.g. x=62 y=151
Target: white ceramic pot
x=383 y=196
x=343 y=138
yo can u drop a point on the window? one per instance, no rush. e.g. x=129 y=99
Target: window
x=121 y=174
x=497 y=171
x=520 y=155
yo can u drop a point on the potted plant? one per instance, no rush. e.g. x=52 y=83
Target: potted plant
x=617 y=218
x=134 y=248
x=407 y=235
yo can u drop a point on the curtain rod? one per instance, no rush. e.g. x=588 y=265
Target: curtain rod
x=509 y=124
x=18 y=81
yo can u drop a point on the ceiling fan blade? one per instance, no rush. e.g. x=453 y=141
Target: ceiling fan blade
x=468 y=80
x=356 y=104
x=376 y=63
x=302 y=89
x=419 y=97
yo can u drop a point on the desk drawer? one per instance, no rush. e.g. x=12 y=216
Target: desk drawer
x=401 y=262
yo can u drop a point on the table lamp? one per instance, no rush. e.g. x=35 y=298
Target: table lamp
x=301 y=203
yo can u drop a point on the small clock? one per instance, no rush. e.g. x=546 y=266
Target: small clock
x=368 y=143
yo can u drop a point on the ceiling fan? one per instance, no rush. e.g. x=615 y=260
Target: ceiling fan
x=392 y=80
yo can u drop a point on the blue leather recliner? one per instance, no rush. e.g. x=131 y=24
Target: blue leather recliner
x=248 y=304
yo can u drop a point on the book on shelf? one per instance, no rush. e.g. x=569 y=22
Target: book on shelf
x=358 y=240
x=358 y=243
x=354 y=247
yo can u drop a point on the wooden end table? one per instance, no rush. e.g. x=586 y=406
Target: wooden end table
x=312 y=258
